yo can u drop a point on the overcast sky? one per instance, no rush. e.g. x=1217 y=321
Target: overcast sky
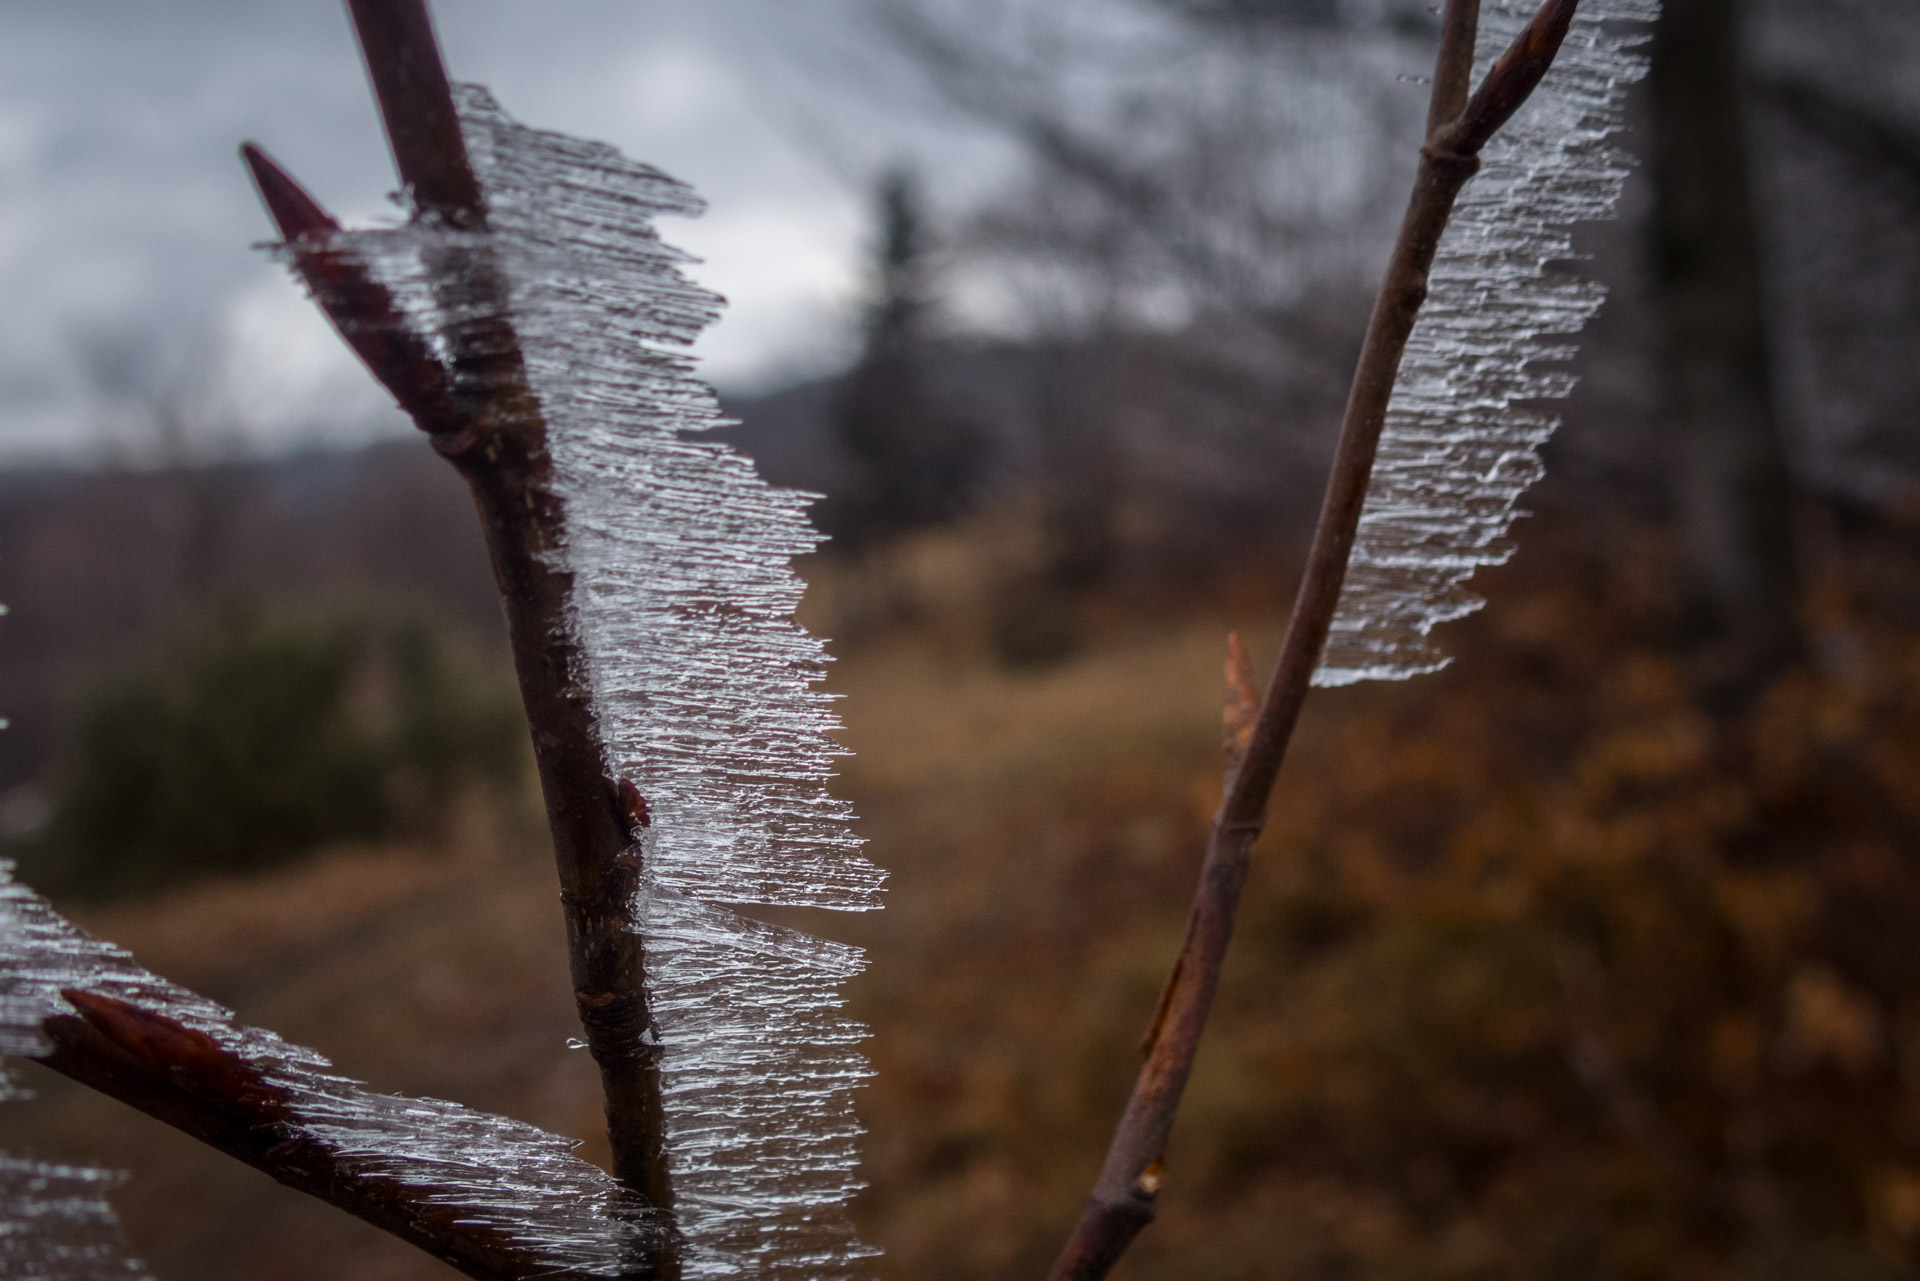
x=126 y=222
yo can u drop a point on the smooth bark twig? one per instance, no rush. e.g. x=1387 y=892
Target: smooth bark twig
x=1130 y=1181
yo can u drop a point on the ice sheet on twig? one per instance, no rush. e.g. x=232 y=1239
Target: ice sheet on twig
x=702 y=684
x=760 y=1066
x=681 y=554
x=512 y=1181
x=1465 y=422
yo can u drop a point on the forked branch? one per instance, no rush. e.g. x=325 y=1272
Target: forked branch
x=1130 y=1181
x=480 y=412
x=468 y=390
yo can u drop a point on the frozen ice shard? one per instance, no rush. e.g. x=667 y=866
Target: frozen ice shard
x=56 y=1225
x=1466 y=418
x=701 y=683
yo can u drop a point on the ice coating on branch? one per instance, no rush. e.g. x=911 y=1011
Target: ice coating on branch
x=515 y=1183
x=701 y=683
x=56 y=1225
x=681 y=554
x=760 y=1067
x=1461 y=438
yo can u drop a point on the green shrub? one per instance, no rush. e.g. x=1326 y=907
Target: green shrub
x=259 y=739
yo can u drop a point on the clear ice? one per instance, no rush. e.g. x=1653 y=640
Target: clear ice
x=1465 y=423
x=701 y=682
x=510 y=1180
x=56 y=1225
x=55 y=1222
x=703 y=688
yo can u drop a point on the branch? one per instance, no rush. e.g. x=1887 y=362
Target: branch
x=186 y=1080
x=497 y=1199
x=496 y=437
x=481 y=414
x=416 y=107
x=1510 y=81
x=360 y=309
x=1453 y=67
x=1124 y=1197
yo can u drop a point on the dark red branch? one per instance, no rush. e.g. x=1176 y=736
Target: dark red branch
x=1511 y=80
x=1453 y=67
x=185 y=1079
x=193 y=1060
x=1130 y=1181
x=360 y=309
x=416 y=106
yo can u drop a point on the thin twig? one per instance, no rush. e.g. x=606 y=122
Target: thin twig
x=393 y=353
x=1130 y=1181
x=482 y=415
x=1453 y=67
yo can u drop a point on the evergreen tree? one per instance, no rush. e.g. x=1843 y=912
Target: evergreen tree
x=913 y=462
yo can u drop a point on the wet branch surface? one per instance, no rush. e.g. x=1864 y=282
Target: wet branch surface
x=479 y=412
x=1130 y=1181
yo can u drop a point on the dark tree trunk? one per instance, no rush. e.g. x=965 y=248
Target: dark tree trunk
x=1734 y=494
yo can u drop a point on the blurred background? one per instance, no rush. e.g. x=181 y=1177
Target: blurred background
x=1596 y=955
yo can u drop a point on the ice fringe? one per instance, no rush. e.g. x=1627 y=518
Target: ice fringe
x=1458 y=449
x=703 y=687
x=55 y=1223
x=512 y=1181
x=701 y=683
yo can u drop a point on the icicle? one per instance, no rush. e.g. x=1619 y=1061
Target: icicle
x=518 y=1184
x=702 y=685
x=1457 y=453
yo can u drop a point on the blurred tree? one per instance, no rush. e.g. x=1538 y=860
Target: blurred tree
x=261 y=739
x=1734 y=495
x=1168 y=140
x=242 y=752
x=913 y=462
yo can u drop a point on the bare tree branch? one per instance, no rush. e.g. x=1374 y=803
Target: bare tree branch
x=1130 y=1181
x=494 y=1197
